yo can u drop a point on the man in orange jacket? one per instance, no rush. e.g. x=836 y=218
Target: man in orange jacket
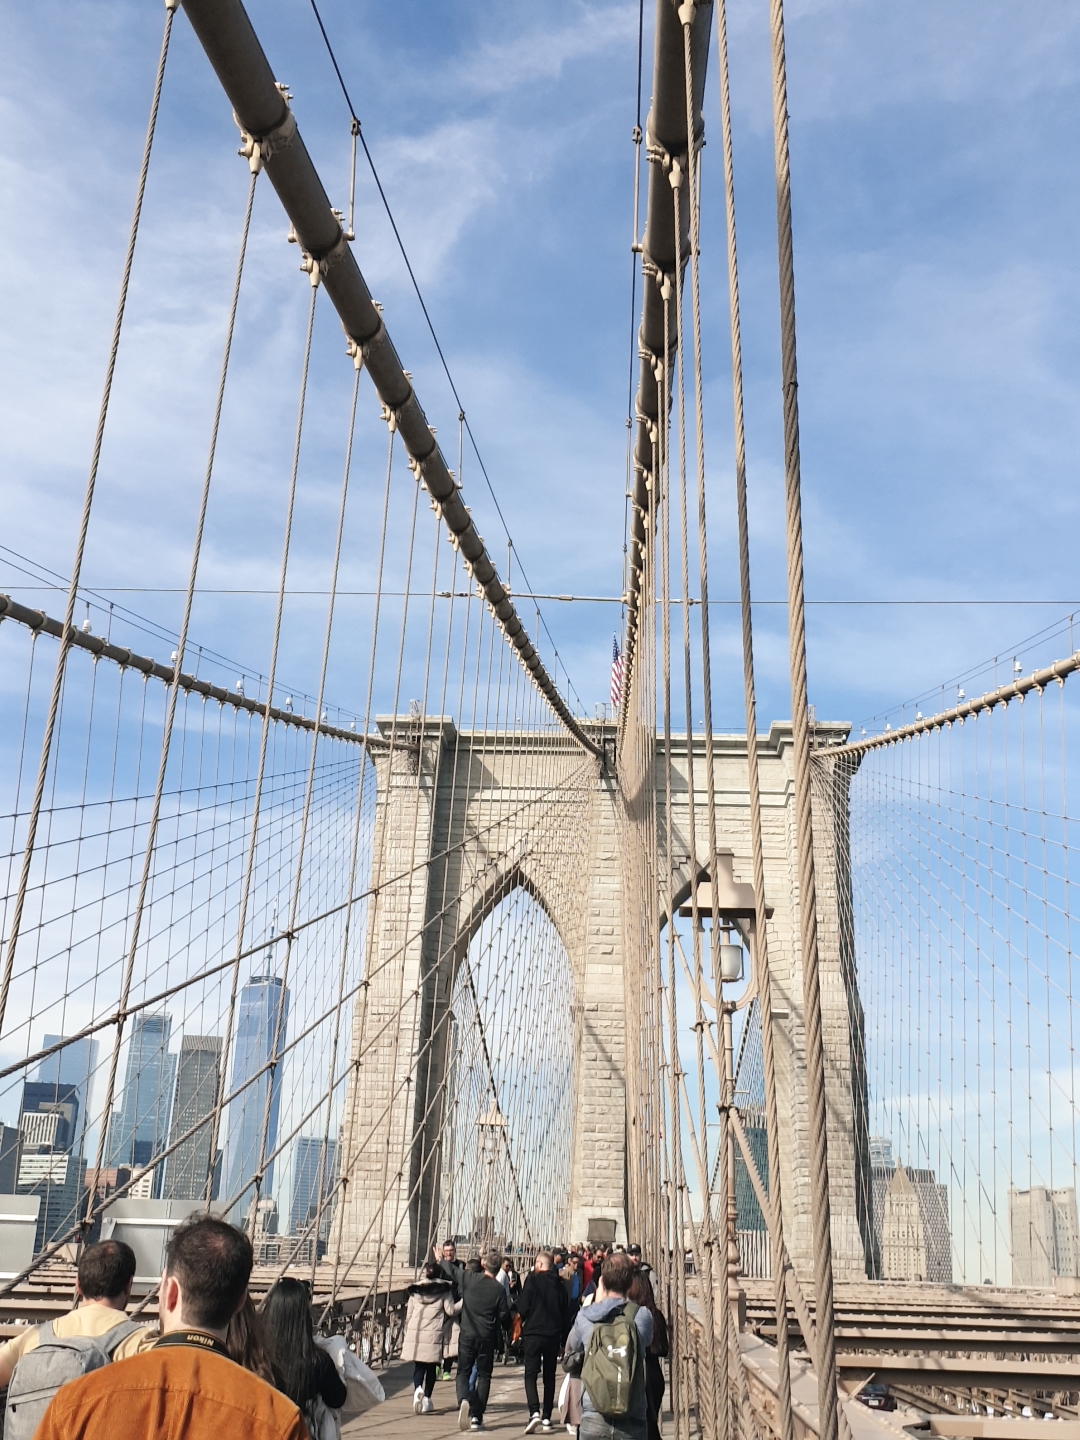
x=186 y=1385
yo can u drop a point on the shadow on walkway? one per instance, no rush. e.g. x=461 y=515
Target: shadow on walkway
x=394 y=1420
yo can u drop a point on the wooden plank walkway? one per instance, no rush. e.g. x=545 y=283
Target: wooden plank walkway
x=506 y=1413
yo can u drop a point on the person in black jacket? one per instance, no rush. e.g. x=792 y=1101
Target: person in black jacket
x=485 y=1313
x=451 y=1266
x=544 y=1308
x=453 y=1269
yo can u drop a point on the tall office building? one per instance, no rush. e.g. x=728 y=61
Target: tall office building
x=308 y=1173
x=138 y=1130
x=903 y=1241
x=751 y=1231
x=48 y=1164
x=881 y=1153
x=73 y=1065
x=937 y=1230
x=748 y=1214
x=1045 y=1235
x=9 y=1159
x=198 y=1075
x=260 y=1002
x=912 y=1234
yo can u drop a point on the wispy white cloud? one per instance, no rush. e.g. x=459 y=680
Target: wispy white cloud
x=540 y=53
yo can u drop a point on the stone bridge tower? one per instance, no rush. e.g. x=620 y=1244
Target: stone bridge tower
x=459 y=822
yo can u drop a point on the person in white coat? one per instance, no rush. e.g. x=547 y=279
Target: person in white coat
x=431 y=1303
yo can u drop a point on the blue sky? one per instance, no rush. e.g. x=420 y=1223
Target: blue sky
x=935 y=185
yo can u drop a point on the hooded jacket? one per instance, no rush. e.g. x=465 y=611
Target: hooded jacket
x=431 y=1304
x=544 y=1307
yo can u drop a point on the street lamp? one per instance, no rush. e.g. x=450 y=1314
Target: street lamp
x=732 y=907
x=491 y=1125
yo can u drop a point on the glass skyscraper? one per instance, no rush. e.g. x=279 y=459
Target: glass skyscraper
x=308 y=1172
x=139 y=1128
x=260 y=1001
x=74 y=1065
x=197 y=1077
x=48 y=1164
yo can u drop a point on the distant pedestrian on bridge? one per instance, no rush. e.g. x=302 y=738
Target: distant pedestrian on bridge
x=454 y=1270
x=573 y=1277
x=485 y=1314
x=545 y=1320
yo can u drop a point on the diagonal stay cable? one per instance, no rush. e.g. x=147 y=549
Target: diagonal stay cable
x=111 y=1019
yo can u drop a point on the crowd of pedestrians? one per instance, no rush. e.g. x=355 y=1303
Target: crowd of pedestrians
x=592 y=1307
x=212 y=1366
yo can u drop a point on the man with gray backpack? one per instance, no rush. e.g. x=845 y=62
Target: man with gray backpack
x=36 y=1363
x=606 y=1347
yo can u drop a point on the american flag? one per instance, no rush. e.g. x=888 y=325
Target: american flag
x=616 y=674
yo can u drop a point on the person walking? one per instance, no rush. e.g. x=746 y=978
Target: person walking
x=453 y=1269
x=245 y=1343
x=35 y=1364
x=103 y=1288
x=306 y=1373
x=431 y=1304
x=505 y=1275
x=485 y=1313
x=185 y=1386
x=616 y=1277
x=545 y=1318
x=641 y=1293
x=574 y=1280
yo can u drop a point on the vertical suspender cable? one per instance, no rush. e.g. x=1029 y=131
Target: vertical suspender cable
x=84 y=525
x=256 y=806
x=762 y=974
x=174 y=693
x=815 y=1049
x=714 y=1389
x=301 y=844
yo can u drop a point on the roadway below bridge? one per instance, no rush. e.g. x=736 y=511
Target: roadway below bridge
x=943 y=1348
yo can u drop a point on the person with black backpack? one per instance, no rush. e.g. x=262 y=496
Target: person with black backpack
x=36 y=1363
x=606 y=1347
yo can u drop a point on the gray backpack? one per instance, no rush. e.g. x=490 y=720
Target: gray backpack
x=52 y=1363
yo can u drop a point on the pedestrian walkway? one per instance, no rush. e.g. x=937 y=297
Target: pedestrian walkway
x=506 y=1412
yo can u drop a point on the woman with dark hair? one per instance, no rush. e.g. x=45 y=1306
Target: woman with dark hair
x=245 y=1344
x=305 y=1373
x=641 y=1293
x=431 y=1306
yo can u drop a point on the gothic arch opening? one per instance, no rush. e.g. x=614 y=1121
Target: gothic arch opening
x=508 y=1129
